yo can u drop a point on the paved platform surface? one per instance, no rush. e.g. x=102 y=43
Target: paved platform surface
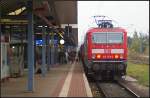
x=61 y=81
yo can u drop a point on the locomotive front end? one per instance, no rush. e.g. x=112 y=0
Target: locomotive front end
x=107 y=52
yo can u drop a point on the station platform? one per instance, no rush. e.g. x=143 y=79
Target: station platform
x=66 y=80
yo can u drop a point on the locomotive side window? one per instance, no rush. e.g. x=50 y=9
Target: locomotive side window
x=114 y=37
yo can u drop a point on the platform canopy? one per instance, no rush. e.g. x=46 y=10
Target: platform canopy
x=61 y=12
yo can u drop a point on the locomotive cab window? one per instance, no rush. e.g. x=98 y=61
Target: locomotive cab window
x=104 y=37
x=114 y=37
x=99 y=38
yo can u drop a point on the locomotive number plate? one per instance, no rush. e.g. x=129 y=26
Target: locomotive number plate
x=107 y=50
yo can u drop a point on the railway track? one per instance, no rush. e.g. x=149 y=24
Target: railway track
x=115 y=89
x=110 y=89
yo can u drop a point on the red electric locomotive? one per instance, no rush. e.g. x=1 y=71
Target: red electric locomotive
x=104 y=51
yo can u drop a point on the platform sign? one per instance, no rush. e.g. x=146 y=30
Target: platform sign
x=40 y=42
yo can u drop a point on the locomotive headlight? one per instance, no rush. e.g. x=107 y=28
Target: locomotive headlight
x=116 y=56
x=98 y=56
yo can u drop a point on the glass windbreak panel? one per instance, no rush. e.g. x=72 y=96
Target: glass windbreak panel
x=99 y=37
x=115 y=37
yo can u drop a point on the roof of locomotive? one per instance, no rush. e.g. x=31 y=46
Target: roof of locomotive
x=115 y=29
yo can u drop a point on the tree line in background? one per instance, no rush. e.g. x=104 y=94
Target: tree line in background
x=139 y=43
x=138 y=48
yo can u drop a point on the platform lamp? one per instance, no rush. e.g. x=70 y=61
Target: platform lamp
x=62 y=41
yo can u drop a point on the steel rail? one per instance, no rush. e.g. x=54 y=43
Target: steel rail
x=128 y=89
x=105 y=94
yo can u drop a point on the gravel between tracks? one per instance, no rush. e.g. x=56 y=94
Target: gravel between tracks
x=114 y=90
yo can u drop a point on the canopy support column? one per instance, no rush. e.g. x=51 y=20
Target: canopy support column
x=30 y=48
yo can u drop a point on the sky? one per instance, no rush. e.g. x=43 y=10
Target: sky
x=131 y=15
